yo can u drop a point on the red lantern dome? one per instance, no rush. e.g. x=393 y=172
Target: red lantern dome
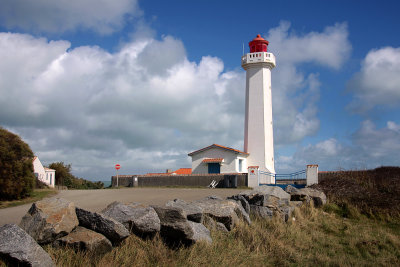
x=258 y=44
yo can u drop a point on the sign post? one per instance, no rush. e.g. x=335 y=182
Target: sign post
x=117 y=167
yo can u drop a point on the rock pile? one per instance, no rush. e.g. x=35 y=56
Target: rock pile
x=58 y=222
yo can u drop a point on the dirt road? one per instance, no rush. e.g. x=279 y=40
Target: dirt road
x=96 y=200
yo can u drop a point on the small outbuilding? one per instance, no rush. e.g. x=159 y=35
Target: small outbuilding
x=218 y=159
x=43 y=174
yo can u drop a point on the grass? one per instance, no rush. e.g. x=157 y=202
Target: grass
x=315 y=237
x=37 y=195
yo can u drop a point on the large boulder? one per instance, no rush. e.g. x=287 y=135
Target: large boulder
x=213 y=225
x=50 y=219
x=200 y=233
x=139 y=220
x=226 y=212
x=19 y=249
x=261 y=212
x=176 y=230
x=193 y=212
x=266 y=196
x=85 y=240
x=245 y=204
x=307 y=194
x=110 y=228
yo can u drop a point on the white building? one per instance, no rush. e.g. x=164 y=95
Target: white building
x=218 y=159
x=45 y=175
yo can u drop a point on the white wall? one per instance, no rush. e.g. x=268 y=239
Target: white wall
x=312 y=174
x=39 y=170
x=229 y=165
x=50 y=177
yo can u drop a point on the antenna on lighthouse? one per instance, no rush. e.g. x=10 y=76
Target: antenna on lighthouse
x=243 y=49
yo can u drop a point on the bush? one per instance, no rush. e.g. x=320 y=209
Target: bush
x=16 y=169
x=65 y=178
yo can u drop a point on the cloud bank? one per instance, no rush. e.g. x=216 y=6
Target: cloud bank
x=146 y=105
x=296 y=93
x=369 y=146
x=50 y=16
x=378 y=81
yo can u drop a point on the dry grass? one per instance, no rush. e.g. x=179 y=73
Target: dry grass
x=375 y=193
x=314 y=238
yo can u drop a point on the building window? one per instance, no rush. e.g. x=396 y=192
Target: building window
x=240 y=165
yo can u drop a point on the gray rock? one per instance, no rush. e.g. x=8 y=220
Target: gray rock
x=289 y=189
x=49 y=219
x=110 y=228
x=193 y=212
x=223 y=211
x=261 y=212
x=220 y=227
x=85 y=240
x=139 y=220
x=308 y=194
x=175 y=228
x=245 y=204
x=200 y=233
x=241 y=212
x=267 y=196
x=213 y=225
x=19 y=249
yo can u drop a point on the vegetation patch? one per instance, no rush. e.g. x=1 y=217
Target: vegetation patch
x=36 y=195
x=16 y=170
x=375 y=193
x=64 y=177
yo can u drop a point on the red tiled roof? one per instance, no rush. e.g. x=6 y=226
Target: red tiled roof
x=213 y=160
x=217 y=146
x=183 y=171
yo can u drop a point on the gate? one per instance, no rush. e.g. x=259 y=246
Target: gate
x=296 y=179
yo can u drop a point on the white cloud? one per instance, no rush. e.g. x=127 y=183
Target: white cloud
x=101 y=16
x=368 y=147
x=378 y=82
x=95 y=107
x=295 y=93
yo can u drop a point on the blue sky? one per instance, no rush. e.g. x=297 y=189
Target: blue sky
x=143 y=83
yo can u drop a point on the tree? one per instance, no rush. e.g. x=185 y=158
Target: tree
x=63 y=173
x=16 y=167
x=64 y=177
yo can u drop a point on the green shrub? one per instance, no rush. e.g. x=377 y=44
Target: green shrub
x=16 y=169
x=64 y=177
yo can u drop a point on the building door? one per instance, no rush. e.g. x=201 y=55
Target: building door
x=214 y=168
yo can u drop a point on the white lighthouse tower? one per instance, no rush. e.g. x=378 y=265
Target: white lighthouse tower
x=258 y=130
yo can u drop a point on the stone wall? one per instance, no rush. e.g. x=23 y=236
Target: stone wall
x=178 y=180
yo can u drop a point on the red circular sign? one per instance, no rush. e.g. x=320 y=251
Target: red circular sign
x=117 y=166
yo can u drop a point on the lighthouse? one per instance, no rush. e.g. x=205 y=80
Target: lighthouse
x=258 y=128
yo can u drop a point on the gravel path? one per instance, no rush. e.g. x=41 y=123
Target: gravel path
x=96 y=200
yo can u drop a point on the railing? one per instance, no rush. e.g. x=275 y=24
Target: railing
x=295 y=176
x=300 y=175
